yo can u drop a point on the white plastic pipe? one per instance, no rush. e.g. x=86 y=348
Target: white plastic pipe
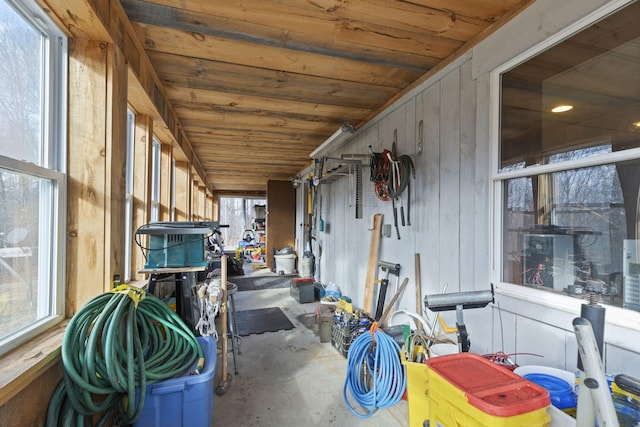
x=594 y=379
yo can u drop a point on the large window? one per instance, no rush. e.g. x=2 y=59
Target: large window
x=239 y=214
x=568 y=173
x=32 y=180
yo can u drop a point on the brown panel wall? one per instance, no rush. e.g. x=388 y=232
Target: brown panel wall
x=281 y=218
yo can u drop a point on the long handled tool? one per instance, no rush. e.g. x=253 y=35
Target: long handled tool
x=388 y=268
x=226 y=377
x=387 y=311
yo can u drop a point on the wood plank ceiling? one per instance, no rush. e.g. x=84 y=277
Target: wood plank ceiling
x=259 y=84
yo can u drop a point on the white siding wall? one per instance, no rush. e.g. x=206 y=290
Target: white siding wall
x=451 y=211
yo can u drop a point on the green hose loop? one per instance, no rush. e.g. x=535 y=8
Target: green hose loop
x=115 y=346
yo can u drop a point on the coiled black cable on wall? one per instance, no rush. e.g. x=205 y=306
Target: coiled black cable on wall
x=391 y=176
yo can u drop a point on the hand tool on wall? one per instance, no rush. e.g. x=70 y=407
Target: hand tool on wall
x=388 y=268
x=395 y=217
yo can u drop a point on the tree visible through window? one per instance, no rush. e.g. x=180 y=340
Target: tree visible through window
x=32 y=87
x=569 y=181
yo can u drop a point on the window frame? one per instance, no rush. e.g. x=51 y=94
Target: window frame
x=51 y=268
x=616 y=315
x=128 y=195
x=156 y=153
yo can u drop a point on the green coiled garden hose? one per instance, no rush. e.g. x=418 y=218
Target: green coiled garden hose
x=119 y=342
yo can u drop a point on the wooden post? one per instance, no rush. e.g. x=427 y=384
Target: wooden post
x=223 y=315
x=225 y=379
x=373 y=263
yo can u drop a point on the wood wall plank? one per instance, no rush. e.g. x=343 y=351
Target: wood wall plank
x=116 y=152
x=87 y=171
x=468 y=211
x=449 y=214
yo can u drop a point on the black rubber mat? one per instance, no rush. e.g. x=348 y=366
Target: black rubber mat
x=262 y=320
x=256 y=283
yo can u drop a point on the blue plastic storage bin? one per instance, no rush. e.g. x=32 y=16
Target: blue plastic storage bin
x=182 y=401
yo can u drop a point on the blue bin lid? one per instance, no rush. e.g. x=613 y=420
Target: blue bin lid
x=560 y=392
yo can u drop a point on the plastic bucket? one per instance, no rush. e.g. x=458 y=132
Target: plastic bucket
x=306 y=267
x=442 y=349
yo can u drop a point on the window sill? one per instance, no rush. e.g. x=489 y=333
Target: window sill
x=27 y=363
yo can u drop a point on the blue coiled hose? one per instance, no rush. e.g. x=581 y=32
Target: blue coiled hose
x=375 y=375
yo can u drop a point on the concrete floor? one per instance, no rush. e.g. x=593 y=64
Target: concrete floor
x=289 y=378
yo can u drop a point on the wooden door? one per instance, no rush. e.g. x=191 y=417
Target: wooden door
x=281 y=218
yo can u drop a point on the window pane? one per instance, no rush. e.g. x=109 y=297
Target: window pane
x=21 y=80
x=128 y=204
x=564 y=232
x=25 y=250
x=597 y=72
x=155 y=180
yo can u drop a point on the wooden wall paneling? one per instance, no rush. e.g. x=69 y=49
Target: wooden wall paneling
x=87 y=171
x=141 y=188
x=116 y=150
x=467 y=209
x=29 y=406
x=215 y=213
x=450 y=181
x=428 y=190
x=281 y=217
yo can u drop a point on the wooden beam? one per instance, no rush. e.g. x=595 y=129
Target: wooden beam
x=116 y=156
x=372 y=266
x=350 y=39
x=167 y=40
x=86 y=194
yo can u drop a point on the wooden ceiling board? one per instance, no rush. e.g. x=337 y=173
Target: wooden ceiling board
x=360 y=41
x=242 y=102
x=274 y=78
x=220 y=77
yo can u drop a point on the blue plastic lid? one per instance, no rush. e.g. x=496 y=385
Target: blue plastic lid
x=560 y=392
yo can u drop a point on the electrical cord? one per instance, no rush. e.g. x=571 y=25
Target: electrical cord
x=117 y=344
x=375 y=376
